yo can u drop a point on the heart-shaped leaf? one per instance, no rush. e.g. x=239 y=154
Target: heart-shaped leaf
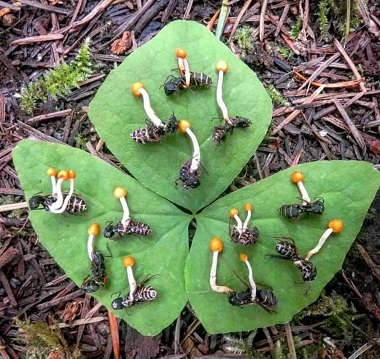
x=116 y=113
x=65 y=236
x=339 y=183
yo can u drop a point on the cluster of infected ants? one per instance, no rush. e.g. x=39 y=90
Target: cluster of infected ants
x=155 y=128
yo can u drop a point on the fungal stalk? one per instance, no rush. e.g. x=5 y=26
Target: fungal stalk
x=183 y=65
x=297 y=178
x=52 y=173
x=216 y=246
x=334 y=226
x=222 y=68
x=62 y=176
x=235 y=214
x=120 y=193
x=184 y=127
x=248 y=209
x=128 y=263
x=92 y=231
x=244 y=258
x=138 y=89
x=71 y=175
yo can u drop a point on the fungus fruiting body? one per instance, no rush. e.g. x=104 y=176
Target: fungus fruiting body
x=216 y=246
x=241 y=233
x=334 y=226
x=155 y=127
x=183 y=65
x=189 y=172
x=244 y=258
x=59 y=201
x=220 y=132
x=98 y=272
x=126 y=224
x=297 y=178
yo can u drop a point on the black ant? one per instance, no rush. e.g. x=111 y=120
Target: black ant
x=141 y=294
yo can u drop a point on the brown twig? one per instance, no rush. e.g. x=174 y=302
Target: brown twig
x=374 y=267
x=262 y=19
x=34 y=39
x=351 y=64
x=238 y=19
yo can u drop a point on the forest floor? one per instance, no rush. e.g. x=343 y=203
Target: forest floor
x=323 y=76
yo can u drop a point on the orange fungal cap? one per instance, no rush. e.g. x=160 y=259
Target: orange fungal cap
x=336 y=225
x=120 y=192
x=136 y=87
x=297 y=176
x=128 y=261
x=243 y=257
x=72 y=174
x=183 y=125
x=247 y=207
x=216 y=245
x=52 y=171
x=222 y=66
x=93 y=230
x=233 y=212
x=64 y=174
x=181 y=53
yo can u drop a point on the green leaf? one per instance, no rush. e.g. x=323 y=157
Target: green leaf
x=65 y=236
x=339 y=183
x=116 y=113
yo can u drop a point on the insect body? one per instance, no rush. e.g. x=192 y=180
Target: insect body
x=291 y=210
x=316 y=207
x=173 y=84
x=190 y=179
x=308 y=269
x=246 y=237
x=267 y=299
x=287 y=249
x=76 y=203
x=115 y=232
x=264 y=297
x=219 y=133
x=200 y=79
x=294 y=210
x=98 y=271
x=140 y=295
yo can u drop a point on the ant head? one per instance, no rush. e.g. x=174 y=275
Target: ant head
x=117 y=303
x=35 y=201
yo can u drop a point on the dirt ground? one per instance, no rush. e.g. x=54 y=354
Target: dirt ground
x=289 y=44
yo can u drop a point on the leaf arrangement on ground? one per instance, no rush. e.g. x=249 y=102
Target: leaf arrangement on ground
x=181 y=272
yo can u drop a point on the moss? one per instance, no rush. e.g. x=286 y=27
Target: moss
x=43 y=342
x=296 y=29
x=244 y=40
x=337 y=312
x=58 y=81
x=276 y=96
x=342 y=20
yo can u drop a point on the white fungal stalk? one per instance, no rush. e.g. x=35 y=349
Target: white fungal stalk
x=244 y=258
x=128 y=263
x=222 y=68
x=183 y=65
x=235 y=214
x=248 y=209
x=184 y=127
x=139 y=90
x=62 y=176
x=120 y=193
x=297 y=178
x=52 y=173
x=72 y=176
x=92 y=231
x=216 y=246
x=335 y=226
